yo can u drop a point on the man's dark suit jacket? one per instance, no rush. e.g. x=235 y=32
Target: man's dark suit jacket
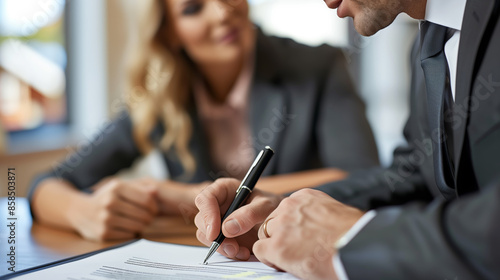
x=302 y=104
x=443 y=230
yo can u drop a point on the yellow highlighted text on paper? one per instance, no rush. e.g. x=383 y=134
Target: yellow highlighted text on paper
x=240 y=275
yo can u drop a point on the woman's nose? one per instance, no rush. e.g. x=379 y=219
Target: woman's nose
x=221 y=9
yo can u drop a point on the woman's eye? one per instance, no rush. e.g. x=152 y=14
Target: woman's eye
x=192 y=8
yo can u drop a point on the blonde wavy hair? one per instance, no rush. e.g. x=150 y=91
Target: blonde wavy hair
x=158 y=89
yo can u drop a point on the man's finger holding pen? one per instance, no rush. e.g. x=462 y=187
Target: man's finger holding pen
x=212 y=201
x=241 y=226
x=258 y=207
x=208 y=220
x=229 y=248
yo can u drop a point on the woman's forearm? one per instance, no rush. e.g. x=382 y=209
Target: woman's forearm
x=116 y=209
x=55 y=201
x=280 y=184
x=177 y=198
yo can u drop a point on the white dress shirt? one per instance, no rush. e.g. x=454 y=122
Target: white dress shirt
x=448 y=13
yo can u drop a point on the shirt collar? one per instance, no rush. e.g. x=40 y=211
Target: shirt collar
x=448 y=13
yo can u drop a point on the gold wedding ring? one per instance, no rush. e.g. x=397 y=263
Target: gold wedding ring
x=264 y=227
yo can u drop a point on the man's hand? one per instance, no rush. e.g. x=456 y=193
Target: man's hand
x=303 y=231
x=116 y=210
x=241 y=227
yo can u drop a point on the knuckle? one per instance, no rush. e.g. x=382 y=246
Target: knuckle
x=115 y=187
x=225 y=182
x=151 y=189
x=257 y=248
x=203 y=185
x=222 y=181
x=251 y=217
x=279 y=246
x=200 y=200
x=309 y=191
x=198 y=221
x=147 y=217
x=106 y=218
x=303 y=192
x=276 y=243
x=309 y=265
x=269 y=205
x=286 y=203
x=109 y=203
x=211 y=189
x=115 y=182
x=274 y=246
x=103 y=234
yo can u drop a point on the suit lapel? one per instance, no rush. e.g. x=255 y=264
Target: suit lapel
x=267 y=100
x=476 y=17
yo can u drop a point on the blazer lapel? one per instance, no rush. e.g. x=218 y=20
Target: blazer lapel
x=267 y=101
x=476 y=18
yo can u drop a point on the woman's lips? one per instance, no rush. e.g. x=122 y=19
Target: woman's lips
x=230 y=37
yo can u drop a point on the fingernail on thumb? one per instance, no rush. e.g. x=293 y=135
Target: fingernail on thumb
x=232 y=227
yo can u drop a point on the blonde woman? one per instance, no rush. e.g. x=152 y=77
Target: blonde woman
x=209 y=89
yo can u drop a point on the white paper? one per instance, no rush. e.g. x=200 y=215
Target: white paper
x=144 y=260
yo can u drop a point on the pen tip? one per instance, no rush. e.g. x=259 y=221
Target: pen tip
x=212 y=250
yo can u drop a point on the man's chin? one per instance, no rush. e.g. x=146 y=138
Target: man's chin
x=367 y=28
x=364 y=30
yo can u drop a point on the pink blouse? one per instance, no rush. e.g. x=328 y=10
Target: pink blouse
x=227 y=126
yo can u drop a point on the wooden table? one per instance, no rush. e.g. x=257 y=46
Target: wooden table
x=38 y=244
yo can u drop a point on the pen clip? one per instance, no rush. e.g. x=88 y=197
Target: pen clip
x=259 y=156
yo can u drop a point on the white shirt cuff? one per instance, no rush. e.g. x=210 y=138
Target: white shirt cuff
x=348 y=236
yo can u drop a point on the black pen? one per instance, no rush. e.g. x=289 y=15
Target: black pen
x=243 y=192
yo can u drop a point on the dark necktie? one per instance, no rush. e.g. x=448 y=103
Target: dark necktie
x=439 y=98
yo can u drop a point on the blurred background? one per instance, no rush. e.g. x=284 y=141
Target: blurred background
x=62 y=71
